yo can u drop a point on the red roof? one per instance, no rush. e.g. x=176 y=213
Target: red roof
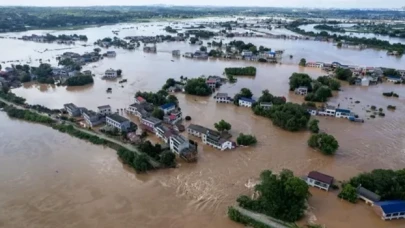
x=172 y=117
x=140 y=99
x=320 y=177
x=212 y=81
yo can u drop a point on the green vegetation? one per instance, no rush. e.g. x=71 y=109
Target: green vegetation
x=246 y=140
x=299 y=79
x=43 y=73
x=248 y=71
x=168 y=159
x=170 y=29
x=171 y=82
x=319 y=94
x=205 y=34
x=343 y=74
x=330 y=82
x=27 y=115
x=327 y=144
x=267 y=97
x=197 y=86
x=11 y=97
x=303 y=62
x=391 y=72
x=390 y=94
x=156 y=152
x=79 y=80
x=139 y=162
x=329 y=28
x=348 y=193
x=223 y=126
x=389 y=184
x=158 y=113
x=282 y=196
x=156 y=99
x=391 y=107
x=172 y=99
x=313 y=126
x=238 y=217
x=289 y=116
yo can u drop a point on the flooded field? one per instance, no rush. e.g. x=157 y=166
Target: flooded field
x=48 y=178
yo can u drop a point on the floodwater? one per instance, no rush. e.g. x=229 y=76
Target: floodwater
x=310 y=28
x=49 y=178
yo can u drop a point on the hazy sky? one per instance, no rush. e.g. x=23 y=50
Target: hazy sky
x=275 y=3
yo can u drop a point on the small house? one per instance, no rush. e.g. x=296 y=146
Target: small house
x=72 y=110
x=173 y=117
x=327 y=111
x=87 y=73
x=92 y=118
x=389 y=210
x=167 y=108
x=188 y=55
x=139 y=100
x=211 y=83
x=176 y=53
x=210 y=137
x=110 y=74
x=365 y=81
x=104 y=109
x=266 y=105
x=111 y=54
x=246 y=102
x=368 y=196
x=394 y=79
x=149 y=123
x=302 y=90
x=246 y=53
x=222 y=98
x=164 y=133
x=319 y=180
x=119 y=122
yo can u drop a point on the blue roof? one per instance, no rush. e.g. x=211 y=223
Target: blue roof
x=337 y=63
x=272 y=52
x=393 y=77
x=166 y=106
x=392 y=206
x=247 y=99
x=343 y=110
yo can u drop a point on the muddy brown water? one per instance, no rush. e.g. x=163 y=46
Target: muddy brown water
x=49 y=179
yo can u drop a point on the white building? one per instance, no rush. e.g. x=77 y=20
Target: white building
x=246 y=102
x=72 y=110
x=92 y=119
x=104 y=110
x=222 y=98
x=176 y=53
x=302 y=90
x=391 y=209
x=119 y=122
x=110 y=73
x=319 y=180
x=365 y=81
x=111 y=54
x=394 y=79
x=178 y=143
x=188 y=55
x=210 y=137
x=167 y=108
x=266 y=105
x=343 y=113
x=328 y=111
x=314 y=64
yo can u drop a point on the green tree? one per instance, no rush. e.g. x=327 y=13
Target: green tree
x=141 y=163
x=348 y=193
x=223 y=126
x=298 y=79
x=25 y=78
x=282 y=196
x=172 y=99
x=343 y=74
x=119 y=72
x=79 y=80
x=327 y=144
x=313 y=126
x=168 y=159
x=339 y=44
x=303 y=62
x=245 y=92
x=197 y=86
x=249 y=71
x=158 y=113
x=246 y=140
x=289 y=116
x=203 y=48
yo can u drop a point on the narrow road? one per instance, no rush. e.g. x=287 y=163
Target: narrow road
x=130 y=147
x=272 y=222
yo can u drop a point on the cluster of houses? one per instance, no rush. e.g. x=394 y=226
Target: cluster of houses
x=196 y=55
x=110 y=74
x=150 y=49
x=45 y=39
x=87 y=57
x=364 y=76
x=332 y=111
x=167 y=129
x=104 y=115
x=387 y=210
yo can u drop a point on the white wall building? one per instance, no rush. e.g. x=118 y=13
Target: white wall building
x=110 y=74
x=246 y=102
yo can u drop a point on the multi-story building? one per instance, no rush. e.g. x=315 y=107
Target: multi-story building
x=149 y=123
x=92 y=118
x=222 y=98
x=167 y=108
x=210 y=137
x=104 y=110
x=163 y=132
x=185 y=148
x=173 y=117
x=110 y=74
x=72 y=110
x=111 y=54
x=246 y=102
x=119 y=122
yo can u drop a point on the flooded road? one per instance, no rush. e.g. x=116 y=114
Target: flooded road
x=48 y=178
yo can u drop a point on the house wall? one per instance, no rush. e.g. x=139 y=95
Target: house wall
x=121 y=126
x=106 y=111
x=168 y=109
x=343 y=115
x=222 y=100
x=398 y=215
x=318 y=184
x=245 y=103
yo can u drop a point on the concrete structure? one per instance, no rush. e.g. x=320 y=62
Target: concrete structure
x=164 y=132
x=167 y=108
x=319 y=180
x=188 y=55
x=246 y=102
x=389 y=210
x=176 y=53
x=72 y=110
x=92 y=118
x=365 y=81
x=178 y=143
x=119 y=122
x=104 y=110
x=327 y=111
x=368 y=196
x=266 y=105
x=222 y=98
x=246 y=53
x=343 y=113
x=315 y=64
x=173 y=117
x=394 y=79
x=210 y=137
x=110 y=74
x=139 y=100
x=149 y=123
x=302 y=90
x=211 y=83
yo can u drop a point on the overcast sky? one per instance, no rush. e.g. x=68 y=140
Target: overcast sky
x=275 y=3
